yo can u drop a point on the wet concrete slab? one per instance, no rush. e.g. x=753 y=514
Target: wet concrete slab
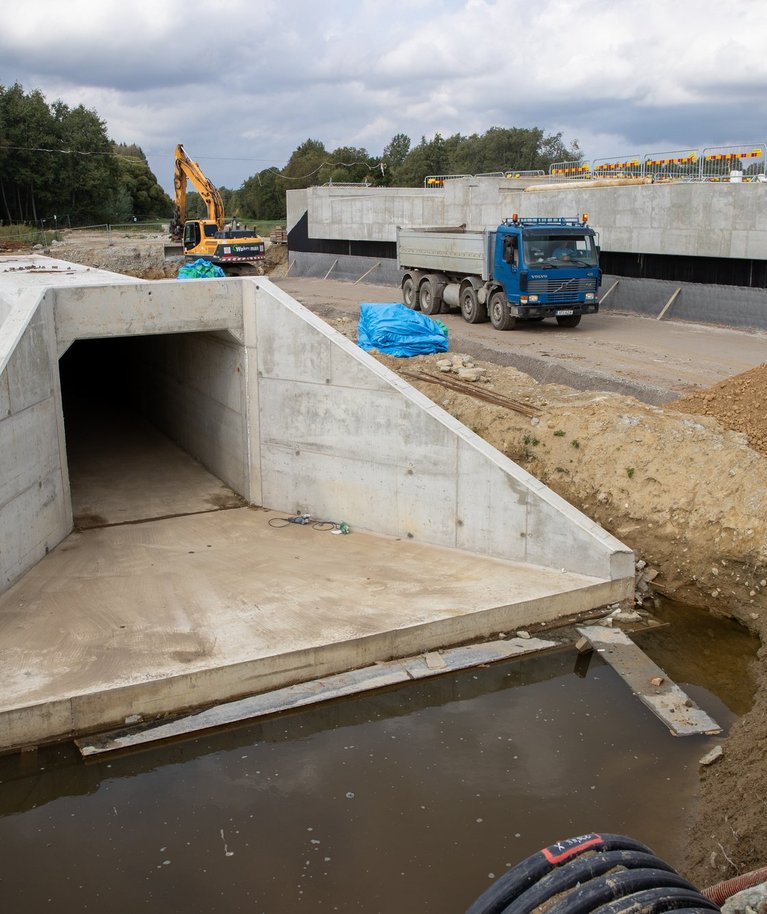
x=151 y=619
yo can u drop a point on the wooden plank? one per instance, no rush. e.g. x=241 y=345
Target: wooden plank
x=394 y=672
x=648 y=682
x=668 y=304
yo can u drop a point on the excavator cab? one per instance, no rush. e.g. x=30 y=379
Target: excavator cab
x=192 y=235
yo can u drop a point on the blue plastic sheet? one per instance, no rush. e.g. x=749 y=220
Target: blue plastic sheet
x=397 y=330
x=200 y=269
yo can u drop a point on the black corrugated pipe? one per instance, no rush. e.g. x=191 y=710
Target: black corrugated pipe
x=611 y=874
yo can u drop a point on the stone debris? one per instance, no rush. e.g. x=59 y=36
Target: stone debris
x=713 y=756
x=749 y=901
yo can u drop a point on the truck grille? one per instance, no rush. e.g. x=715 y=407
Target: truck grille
x=561 y=290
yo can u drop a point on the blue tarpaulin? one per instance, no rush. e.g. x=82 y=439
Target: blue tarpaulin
x=200 y=269
x=397 y=330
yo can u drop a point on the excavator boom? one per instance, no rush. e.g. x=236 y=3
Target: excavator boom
x=188 y=170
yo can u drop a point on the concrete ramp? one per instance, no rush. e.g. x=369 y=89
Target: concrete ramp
x=289 y=415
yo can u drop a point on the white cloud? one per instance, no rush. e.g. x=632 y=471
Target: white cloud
x=246 y=82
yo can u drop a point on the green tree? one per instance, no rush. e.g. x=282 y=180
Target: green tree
x=89 y=175
x=429 y=157
x=263 y=196
x=304 y=165
x=347 y=165
x=138 y=184
x=28 y=174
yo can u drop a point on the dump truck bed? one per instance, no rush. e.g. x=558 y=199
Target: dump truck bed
x=462 y=253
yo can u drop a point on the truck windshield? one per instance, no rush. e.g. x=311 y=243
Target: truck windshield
x=555 y=251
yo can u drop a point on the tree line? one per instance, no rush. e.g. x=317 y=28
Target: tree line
x=57 y=161
x=57 y=164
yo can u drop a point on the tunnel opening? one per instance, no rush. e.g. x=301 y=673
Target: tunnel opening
x=126 y=404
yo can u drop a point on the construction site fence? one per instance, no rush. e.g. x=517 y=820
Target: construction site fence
x=46 y=234
x=733 y=164
x=743 y=163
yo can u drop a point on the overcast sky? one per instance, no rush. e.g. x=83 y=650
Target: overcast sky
x=243 y=82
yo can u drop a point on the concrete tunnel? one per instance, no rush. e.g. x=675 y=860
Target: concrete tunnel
x=125 y=401
x=123 y=453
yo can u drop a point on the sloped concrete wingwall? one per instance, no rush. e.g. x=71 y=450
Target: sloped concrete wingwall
x=343 y=438
x=35 y=507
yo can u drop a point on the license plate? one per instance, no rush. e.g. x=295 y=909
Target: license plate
x=562 y=313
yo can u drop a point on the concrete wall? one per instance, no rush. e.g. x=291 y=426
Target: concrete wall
x=193 y=387
x=343 y=438
x=697 y=219
x=286 y=410
x=35 y=508
x=728 y=306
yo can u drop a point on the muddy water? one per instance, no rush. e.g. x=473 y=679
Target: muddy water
x=410 y=800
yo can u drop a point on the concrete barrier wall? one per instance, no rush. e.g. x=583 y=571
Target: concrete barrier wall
x=697 y=219
x=35 y=506
x=343 y=438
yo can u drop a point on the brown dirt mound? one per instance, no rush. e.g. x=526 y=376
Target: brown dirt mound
x=739 y=403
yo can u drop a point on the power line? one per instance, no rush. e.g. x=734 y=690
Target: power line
x=134 y=158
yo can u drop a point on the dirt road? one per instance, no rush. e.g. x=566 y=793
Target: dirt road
x=655 y=361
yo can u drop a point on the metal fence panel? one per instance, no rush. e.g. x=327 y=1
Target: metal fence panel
x=619 y=167
x=733 y=163
x=671 y=166
x=568 y=171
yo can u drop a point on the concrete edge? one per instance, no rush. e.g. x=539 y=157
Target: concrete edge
x=92 y=712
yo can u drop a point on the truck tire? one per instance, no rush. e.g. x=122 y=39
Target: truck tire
x=569 y=320
x=430 y=302
x=471 y=310
x=409 y=293
x=499 y=312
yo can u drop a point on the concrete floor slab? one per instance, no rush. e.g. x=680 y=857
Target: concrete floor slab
x=158 y=617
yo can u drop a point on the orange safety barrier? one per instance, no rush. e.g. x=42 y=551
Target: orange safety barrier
x=611 y=166
x=754 y=154
x=685 y=160
x=570 y=171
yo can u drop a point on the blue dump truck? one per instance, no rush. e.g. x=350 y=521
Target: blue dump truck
x=524 y=270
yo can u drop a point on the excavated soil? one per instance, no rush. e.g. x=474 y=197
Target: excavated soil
x=684 y=486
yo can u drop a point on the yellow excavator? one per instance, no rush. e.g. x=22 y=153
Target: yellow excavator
x=236 y=251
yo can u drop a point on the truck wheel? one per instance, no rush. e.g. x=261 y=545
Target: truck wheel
x=569 y=320
x=430 y=303
x=472 y=311
x=499 y=312
x=409 y=293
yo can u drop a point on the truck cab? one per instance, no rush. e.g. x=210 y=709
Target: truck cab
x=544 y=268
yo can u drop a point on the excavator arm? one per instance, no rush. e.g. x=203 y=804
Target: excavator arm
x=188 y=170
